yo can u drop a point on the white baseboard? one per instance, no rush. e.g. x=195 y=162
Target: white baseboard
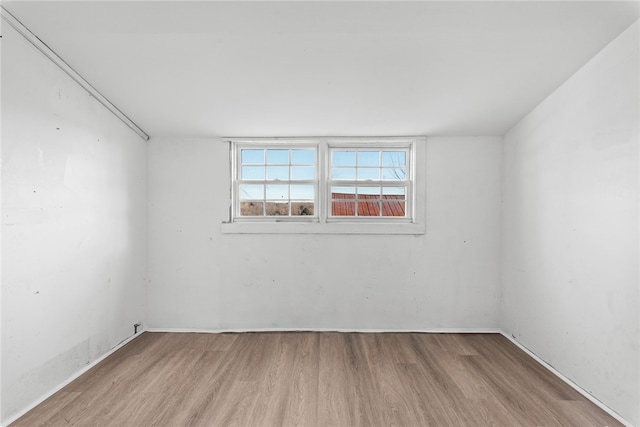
x=573 y=385
x=59 y=387
x=357 y=330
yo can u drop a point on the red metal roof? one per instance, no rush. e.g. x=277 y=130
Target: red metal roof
x=368 y=205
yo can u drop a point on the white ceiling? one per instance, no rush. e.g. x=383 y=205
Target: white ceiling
x=325 y=68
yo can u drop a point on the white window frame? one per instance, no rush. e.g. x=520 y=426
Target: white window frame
x=407 y=147
x=236 y=182
x=322 y=222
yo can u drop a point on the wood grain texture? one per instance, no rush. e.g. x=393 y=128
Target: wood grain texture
x=318 y=379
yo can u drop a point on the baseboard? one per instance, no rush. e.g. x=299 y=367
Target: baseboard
x=573 y=385
x=356 y=330
x=70 y=379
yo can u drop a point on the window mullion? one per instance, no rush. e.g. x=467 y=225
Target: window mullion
x=322 y=175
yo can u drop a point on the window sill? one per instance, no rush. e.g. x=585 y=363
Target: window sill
x=317 y=228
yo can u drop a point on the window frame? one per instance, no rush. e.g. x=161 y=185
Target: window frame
x=236 y=181
x=322 y=222
x=407 y=147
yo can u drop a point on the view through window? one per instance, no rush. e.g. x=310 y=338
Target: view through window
x=277 y=182
x=320 y=181
x=366 y=182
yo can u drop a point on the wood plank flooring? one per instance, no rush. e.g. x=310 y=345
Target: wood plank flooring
x=318 y=379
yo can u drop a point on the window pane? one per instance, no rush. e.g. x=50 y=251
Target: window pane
x=369 y=191
x=252 y=156
x=393 y=192
x=251 y=192
x=343 y=158
x=278 y=157
x=252 y=172
x=343 y=208
x=368 y=173
x=343 y=192
x=369 y=208
x=303 y=172
x=302 y=192
x=277 y=208
x=393 y=174
x=303 y=157
x=277 y=192
x=278 y=172
x=343 y=173
x=393 y=208
x=302 y=209
x=368 y=158
x=393 y=201
x=251 y=208
x=394 y=158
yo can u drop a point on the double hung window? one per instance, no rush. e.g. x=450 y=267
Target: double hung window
x=276 y=181
x=369 y=182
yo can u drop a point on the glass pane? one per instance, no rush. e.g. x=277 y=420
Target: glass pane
x=343 y=192
x=303 y=157
x=393 y=174
x=252 y=172
x=278 y=172
x=302 y=208
x=343 y=173
x=343 y=158
x=393 y=192
x=368 y=173
x=278 y=157
x=302 y=192
x=394 y=158
x=369 y=191
x=252 y=156
x=251 y=208
x=369 y=208
x=343 y=208
x=368 y=158
x=277 y=208
x=277 y=192
x=251 y=192
x=394 y=208
x=303 y=172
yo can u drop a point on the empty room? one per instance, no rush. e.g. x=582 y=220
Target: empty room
x=320 y=213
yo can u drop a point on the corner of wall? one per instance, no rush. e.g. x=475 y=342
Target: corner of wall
x=570 y=229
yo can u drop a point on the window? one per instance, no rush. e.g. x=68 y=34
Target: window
x=321 y=185
x=366 y=182
x=276 y=181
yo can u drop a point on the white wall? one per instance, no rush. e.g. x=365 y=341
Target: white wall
x=202 y=279
x=73 y=227
x=570 y=228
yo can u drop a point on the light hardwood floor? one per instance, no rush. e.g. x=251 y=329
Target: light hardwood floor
x=318 y=379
